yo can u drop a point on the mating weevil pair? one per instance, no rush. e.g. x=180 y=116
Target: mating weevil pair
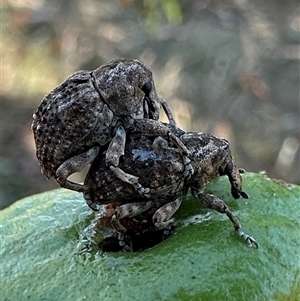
x=92 y=111
x=109 y=117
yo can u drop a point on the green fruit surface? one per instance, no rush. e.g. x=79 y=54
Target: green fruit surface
x=43 y=255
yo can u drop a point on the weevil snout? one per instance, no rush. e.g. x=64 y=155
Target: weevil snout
x=235 y=178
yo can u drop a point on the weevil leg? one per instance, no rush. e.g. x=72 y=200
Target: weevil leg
x=132 y=180
x=125 y=244
x=153 y=127
x=125 y=177
x=167 y=110
x=75 y=164
x=161 y=143
x=212 y=202
x=188 y=167
x=128 y=210
x=116 y=147
x=114 y=152
x=162 y=217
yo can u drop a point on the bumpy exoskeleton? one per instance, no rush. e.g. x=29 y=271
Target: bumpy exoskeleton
x=92 y=111
x=168 y=175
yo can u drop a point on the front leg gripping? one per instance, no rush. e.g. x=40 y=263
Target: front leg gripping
x=212 y=202
x=153 y=127
x=75 y=164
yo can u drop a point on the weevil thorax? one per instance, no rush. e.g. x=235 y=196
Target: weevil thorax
x=209 y=156
x=121 y=83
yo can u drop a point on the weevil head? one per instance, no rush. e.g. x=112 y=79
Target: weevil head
x=127 y=87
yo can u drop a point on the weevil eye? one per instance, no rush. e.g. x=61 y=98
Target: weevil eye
x=147 y=88
x=228 y=168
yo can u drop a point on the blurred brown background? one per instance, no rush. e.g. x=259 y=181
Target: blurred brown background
x=227 y=67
